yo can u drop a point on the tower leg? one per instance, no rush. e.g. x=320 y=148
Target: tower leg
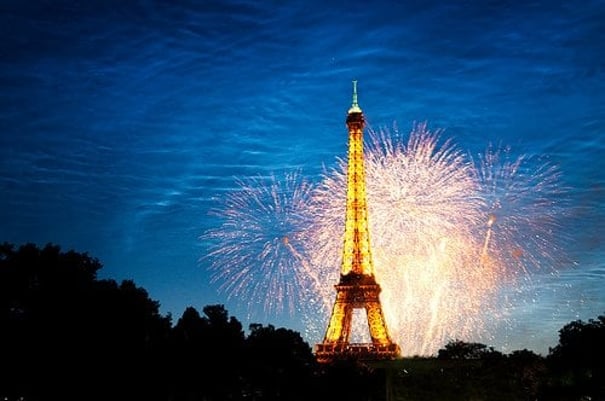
x=340 y=322
x=377 y=324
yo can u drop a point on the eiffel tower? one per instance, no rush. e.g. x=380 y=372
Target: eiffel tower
x=357 y=287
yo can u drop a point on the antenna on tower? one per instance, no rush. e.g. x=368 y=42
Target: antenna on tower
x=355 y=106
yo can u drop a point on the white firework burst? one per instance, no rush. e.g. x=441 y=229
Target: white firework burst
x=256 y=251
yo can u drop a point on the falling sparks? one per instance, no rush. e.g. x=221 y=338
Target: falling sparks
x=445 y=233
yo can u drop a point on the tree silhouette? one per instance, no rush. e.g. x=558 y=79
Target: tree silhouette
x=280 y=364
x=578 y=360
x=64 y=334
x=457 y=349
x=67 y=335
x=529 y=370
x=207 y=355
x=37 y=290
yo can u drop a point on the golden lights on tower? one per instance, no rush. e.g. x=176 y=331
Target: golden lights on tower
x=357 y=287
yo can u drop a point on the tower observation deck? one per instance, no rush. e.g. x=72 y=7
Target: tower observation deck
x=357 y=287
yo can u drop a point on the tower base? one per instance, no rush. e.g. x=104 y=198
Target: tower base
x=326 y=352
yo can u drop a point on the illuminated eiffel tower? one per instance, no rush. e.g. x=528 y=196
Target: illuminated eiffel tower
x=357 y=287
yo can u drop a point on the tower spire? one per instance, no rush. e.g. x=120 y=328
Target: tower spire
x=355 y=106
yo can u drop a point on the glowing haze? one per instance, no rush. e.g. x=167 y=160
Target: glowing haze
x=447 y=232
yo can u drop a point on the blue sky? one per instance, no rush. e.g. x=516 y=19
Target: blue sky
x=122 y=122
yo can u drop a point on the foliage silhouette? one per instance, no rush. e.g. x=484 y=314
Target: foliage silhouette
x=280 y=364
x=577 y=362
x=207 y=355
x=458 y=349
x=65 y=334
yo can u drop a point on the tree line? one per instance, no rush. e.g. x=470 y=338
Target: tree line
x=67 y=335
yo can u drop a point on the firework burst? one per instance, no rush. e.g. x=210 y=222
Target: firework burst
x=256 y=251
x=525 y=202
x=424 y=205
x=445 y=232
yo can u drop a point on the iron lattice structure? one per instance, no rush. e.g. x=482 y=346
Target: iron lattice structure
x=357 y=287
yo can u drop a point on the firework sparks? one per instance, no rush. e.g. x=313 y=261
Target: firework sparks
x=445 y=233
x=423 y=206
x=524 y=200
x=256 y=250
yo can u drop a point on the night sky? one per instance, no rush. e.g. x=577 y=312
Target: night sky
x=123 y=122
